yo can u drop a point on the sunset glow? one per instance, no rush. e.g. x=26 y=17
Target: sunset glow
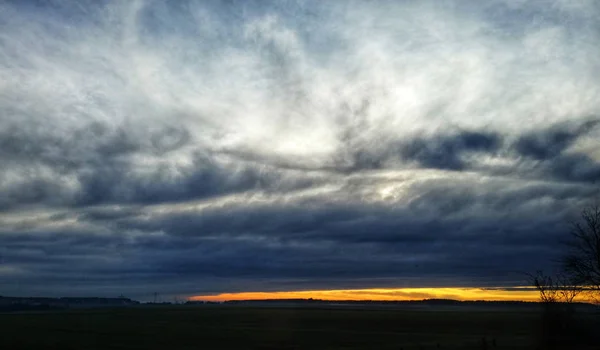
x=488 y=294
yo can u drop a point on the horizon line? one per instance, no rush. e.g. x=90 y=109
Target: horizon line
x=513 y=293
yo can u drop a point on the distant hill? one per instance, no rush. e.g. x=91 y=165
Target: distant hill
x=42 y=303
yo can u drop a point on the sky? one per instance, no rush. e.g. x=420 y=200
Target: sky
x=205 y=148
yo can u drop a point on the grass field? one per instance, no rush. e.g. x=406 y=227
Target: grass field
x=237 y=327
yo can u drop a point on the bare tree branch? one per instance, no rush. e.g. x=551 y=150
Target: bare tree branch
x=582 y=262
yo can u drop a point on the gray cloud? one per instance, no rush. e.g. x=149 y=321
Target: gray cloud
x=444 y=152
x=195 y=147
x=436 y=236
x=551 y=142
x=549 y=151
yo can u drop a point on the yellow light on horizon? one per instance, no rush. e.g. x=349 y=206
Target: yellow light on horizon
x=386 y=294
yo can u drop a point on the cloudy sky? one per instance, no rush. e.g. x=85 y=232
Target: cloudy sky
x=205 y=147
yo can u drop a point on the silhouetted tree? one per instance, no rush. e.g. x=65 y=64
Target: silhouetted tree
x=580 y=273
x=582 y=262
x=560 y=288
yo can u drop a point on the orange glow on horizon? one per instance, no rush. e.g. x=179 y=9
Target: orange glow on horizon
x=389 y=294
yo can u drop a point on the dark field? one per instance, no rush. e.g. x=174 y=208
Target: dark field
x=237 y=327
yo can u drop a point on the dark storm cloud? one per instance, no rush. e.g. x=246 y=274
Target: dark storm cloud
x=551 y=142
x=444 y=152
x=105 y=214
x=439 y=213
x=98 y=160
x=330 y=247
x=205 y=178
x=448 y=229
x=544 y=151
x=92 y=143
x=547 y=149
x=328 y=244
x=576 y=167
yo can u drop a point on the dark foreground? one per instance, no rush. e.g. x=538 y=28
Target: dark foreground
x=240 y=327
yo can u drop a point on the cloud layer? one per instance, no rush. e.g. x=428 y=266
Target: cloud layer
x=194 y=148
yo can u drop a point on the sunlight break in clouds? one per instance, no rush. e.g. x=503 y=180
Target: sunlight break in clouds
x=383 y=295
x=201 y=148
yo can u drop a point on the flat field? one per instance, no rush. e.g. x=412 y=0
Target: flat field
x=239 y=327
